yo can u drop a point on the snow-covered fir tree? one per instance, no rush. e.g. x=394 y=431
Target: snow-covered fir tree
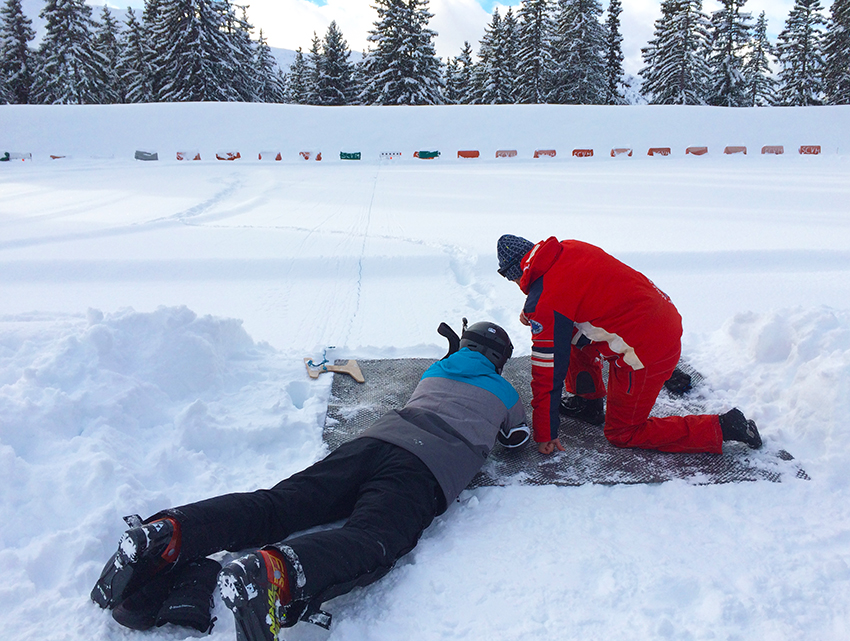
x=402 y=68
x=677 y=71
x=134 y=61
x=465 y=69
x=154 y=47
x=194 y=54
x=495 y=76
x=17 y=60
x=299 y=88
x=836 y=49
x=534 y=51
x=800 y=54
x=730 y=35
x=459 y=89
x=760 y=85
x=314 y=68
x=510 y=51
x=335 y=78
x=269 y=85
x=359 y=78
x=107 y=44
x=614 y=75
x=451 y=86
x=578 y=46
x=243 y=78
x=69 y=67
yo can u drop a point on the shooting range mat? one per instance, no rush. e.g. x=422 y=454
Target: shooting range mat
x=588 y=458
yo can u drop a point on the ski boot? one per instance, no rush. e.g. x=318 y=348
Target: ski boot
x=256 y=587
x=143 y=552
x=590 y=410
x=736 y=427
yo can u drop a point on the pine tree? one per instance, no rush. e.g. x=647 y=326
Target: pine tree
x=677 y=71
x=335 y=82
x=453 y=90
x=298 y=81
x=730 y=41
x=107 y=44
x=495 y=74
x=403 y=68
x=510 y=54
x=133 y=66
x=314 y=67
x=269 y=85
x=535 y=51
x=579 y=49
x=243 y=79
x=359 y=79
x=154 y=47
x=614 y=75
x=837 y=55
x=465 y=70
x=69 y=69
x=459 y=78
x=801 y=55
x=760 y=85
x=16 y=59
x=195 y=58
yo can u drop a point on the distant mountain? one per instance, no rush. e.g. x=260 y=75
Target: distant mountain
x=284 y=57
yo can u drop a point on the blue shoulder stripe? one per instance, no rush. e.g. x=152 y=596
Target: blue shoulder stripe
x=534 y=292
x=466 y=366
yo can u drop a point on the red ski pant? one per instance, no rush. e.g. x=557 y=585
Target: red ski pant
x=631 y=395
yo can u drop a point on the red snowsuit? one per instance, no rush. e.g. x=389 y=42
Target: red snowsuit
x=585 y=306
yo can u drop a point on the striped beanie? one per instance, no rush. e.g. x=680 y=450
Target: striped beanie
x=510 y=250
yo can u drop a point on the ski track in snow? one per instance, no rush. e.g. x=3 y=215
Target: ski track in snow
x=128 y=384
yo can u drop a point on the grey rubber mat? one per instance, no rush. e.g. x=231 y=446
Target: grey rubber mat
x=588 y=458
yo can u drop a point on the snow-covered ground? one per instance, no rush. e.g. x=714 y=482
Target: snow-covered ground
x=154 y=317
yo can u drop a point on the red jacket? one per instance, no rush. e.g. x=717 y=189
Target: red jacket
x=579 y=294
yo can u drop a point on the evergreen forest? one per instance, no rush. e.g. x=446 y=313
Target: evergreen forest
x=547 y=51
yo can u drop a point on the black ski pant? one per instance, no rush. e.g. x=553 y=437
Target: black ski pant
x=386 y=495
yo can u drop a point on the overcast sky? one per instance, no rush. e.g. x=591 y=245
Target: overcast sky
x=289 y=24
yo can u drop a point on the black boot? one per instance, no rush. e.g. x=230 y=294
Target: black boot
x=190 y=601
x=143 y=552
x=736 y=427
x=590 y=410
x=139 y=610
x=257 y=588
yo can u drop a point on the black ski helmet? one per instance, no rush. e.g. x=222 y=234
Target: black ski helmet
x=490 y=340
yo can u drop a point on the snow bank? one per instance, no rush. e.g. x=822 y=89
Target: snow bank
x=119 y=130
x=120 y=413
x=791 y=370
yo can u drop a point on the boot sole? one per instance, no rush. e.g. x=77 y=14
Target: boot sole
x=114 y=580
x=233 y=583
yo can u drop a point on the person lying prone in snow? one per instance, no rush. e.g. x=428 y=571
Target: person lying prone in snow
x=388 y=484
x=584 y=306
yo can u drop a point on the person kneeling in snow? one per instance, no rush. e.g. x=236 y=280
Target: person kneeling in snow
x=585 y=306
x=389 y=484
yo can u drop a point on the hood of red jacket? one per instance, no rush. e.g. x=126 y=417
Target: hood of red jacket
x=538 y=261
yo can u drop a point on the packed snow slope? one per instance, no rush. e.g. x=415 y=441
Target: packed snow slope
x=154 y=317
